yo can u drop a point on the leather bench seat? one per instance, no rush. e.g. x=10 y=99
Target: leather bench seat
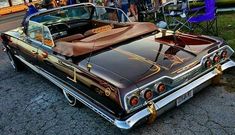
x=71 y=38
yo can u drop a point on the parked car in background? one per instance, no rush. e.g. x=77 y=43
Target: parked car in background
x=13 y=6
x=127 y=72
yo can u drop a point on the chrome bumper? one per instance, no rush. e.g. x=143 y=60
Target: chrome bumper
x=170 y=101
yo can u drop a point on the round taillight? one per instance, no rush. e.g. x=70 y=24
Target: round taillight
x=208 y=63
x=216 y=59
x=224 y=54
x=134 y=101
x=160 y=88
x=148 y=94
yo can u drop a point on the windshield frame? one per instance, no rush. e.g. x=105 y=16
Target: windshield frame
x=57 y=9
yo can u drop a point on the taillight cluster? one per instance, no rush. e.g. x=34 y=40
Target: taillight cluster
x=134 y=100
x=215 y=59
x=147 y=94
x=208 y=63
x=224 y=54
x=160 y=88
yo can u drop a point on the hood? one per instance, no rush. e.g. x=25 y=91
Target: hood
x=135 y=61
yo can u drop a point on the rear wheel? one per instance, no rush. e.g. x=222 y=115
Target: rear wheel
x=72 y=100
x=16 y=63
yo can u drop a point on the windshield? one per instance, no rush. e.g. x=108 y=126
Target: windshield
x=75 y=13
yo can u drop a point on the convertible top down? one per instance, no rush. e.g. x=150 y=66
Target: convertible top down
x=100 y=40
x=126 y=72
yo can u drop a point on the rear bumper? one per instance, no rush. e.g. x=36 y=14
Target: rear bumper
x=170 y=101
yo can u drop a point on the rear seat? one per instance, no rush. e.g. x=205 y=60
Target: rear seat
x=98 y=30
x=76 y=37
x=71 y=38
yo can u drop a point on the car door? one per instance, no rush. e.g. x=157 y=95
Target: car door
x=33 y=39
x=50 y=62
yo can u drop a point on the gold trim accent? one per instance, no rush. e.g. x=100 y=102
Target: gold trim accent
x=107 y=92
x=88 y=66
x=185 y=67
x=155 y=68
x=74 y=75
x=175 y=60
x=138 y=58
x=153 y=112
x=218 y=70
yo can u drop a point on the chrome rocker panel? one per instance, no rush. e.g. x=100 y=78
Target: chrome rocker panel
x=161 y=105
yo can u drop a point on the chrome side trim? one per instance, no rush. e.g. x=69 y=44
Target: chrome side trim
x=162 y=104
x=66 y=89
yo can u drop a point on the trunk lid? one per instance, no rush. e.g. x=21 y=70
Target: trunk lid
x=134 y=61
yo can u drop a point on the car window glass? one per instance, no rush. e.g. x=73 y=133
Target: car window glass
x=71 y=14
x=47 y=38
x=35 y=31
x=4 y=3
x=110 y=14
x=17 y=2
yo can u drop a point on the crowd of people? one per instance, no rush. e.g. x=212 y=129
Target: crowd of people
x=130 y=7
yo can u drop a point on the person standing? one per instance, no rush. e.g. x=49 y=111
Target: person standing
x=111 y=11
x=133 y=9
x=71 y=2
x=123 y=5
x=31 y=10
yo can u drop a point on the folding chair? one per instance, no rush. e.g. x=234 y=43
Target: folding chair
x=209 y=16
x=178 y=12
x=146 y=10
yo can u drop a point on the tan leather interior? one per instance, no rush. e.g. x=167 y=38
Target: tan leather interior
x=98 y=30
x=103 y=39
x=71 y=38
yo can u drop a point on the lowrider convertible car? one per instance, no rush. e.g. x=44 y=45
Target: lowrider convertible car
x=127 y=72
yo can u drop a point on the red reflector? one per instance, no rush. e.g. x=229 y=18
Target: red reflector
x=216 y=59
x=208 y=63
x=161 y=88
x=224 y=54
x=134 y=101
x=148 y=94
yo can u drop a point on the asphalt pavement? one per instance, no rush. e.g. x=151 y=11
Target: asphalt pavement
x=30 y=104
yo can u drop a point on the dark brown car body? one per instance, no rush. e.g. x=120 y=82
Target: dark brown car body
x=117 y=65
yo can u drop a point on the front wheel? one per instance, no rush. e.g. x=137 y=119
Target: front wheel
x=16 y=63
x=72 y=100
